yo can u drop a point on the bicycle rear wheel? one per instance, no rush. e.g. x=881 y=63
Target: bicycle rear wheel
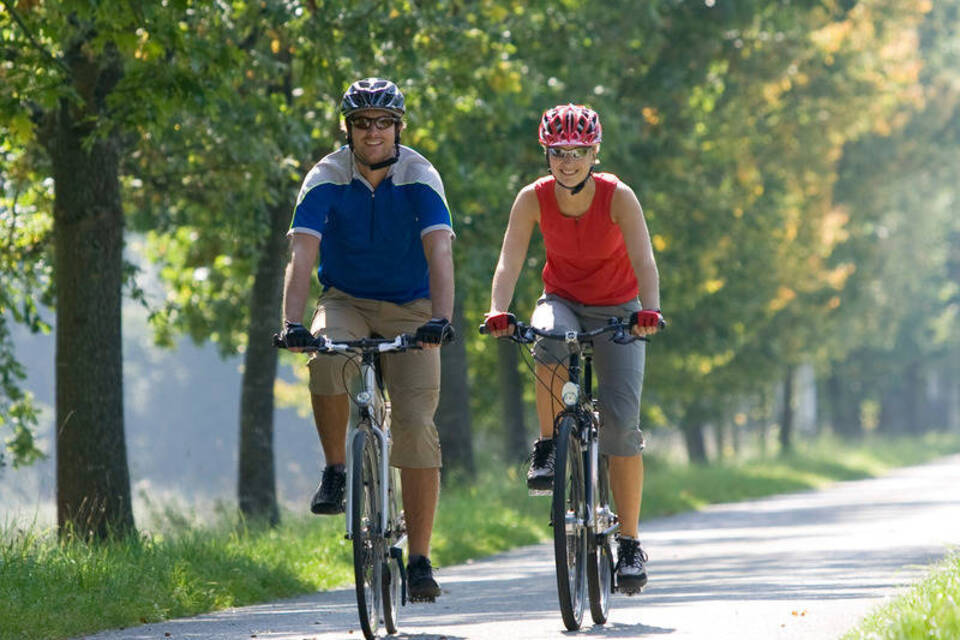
x=368 y=553
x=569 y=523
x=600 y=561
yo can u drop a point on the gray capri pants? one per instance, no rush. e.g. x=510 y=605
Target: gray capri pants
x=618 y=367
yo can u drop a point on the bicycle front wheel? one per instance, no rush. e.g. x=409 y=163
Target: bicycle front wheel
x=569 y=523
x=600 y=562
x=368 y=552
x=392 y=592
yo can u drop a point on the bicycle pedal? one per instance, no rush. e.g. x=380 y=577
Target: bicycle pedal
x=630 y=590
x=422 y=598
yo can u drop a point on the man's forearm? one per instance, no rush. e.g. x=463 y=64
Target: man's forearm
x=296 y=288
x=442 y=285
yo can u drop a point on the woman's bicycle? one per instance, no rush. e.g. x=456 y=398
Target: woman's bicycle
x=375 y=521
x=584 y=523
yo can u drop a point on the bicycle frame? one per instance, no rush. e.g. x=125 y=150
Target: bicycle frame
x=378 y=546
x=577 y=398
x=579 y=528
x=373 y=409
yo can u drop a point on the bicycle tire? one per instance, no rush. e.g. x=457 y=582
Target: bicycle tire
x=600 y=564
x=569 y=523
x=392 y=595
x=367 y=546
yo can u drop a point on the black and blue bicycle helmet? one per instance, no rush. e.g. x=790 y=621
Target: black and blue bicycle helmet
x=372 y=93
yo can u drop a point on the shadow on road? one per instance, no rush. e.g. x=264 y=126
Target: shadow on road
x=617 y=630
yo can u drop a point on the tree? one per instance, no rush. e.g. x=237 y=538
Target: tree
x=897 y=186
x=79 y=80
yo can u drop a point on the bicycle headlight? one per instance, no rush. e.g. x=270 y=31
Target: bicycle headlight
x=570 y=394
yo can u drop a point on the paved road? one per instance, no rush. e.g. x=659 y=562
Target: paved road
x=800 y=566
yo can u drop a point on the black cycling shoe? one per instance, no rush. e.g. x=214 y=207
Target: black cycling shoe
x=540 y=475
x=421 y=587
x=329 y=496
x=631 y=571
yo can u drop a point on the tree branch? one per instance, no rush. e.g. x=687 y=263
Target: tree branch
x=33 y=41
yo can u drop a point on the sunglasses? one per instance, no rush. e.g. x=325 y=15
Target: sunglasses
x=577 y=153
x=381 y=123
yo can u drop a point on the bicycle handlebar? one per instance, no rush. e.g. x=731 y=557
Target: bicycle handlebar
x=525 y=334
x=402 y=342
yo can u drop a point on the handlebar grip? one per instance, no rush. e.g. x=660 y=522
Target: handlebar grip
x=483 y=329
x=277 y=342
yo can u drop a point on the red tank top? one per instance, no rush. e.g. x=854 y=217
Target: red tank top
x=587 y=259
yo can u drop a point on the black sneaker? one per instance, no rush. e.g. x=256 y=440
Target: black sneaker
x=421 y=587
x=631 y=572
x=329 y=496
x=540 y=475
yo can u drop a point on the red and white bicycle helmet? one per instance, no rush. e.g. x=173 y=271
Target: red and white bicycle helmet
x=570 y=125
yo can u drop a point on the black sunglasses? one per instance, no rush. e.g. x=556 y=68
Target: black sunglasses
x=381 y=123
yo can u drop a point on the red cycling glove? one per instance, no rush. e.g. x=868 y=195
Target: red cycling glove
x=500 y=321
x=648 y=318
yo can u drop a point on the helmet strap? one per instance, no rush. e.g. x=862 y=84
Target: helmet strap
x=577 y=189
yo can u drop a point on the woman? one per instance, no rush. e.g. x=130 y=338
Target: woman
x=599 y=265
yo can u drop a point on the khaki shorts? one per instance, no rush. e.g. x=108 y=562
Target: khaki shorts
x=618 y=367
x=412 y=378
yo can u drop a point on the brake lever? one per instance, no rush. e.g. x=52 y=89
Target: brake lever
x=526 y=336
x=622 y=337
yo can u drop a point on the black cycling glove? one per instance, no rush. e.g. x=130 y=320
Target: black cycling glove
x=437 y=331
x=295 y=334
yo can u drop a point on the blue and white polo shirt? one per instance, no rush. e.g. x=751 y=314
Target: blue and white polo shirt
x=370 y=239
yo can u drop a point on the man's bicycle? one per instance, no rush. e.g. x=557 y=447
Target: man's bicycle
x=375 y=521
x=584 y=523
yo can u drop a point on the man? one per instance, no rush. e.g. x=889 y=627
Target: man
x=376 y=213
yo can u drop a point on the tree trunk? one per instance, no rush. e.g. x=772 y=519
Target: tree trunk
x=453 y=414
x=256 y=477
x=719 y=437
x=515 y=440
x=844 y=408
x=786 y=417
x=692 y=427
x=900 y=403
x=93 y=479
x=913 y=396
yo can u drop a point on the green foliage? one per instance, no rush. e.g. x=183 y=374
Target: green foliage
x=284 y=82
x=781 y=153
x=898 y=310
x=24 y=281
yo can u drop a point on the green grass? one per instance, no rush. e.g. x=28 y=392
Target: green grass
x=53 y=590
x=186 y=569
x=930 y=610
x=671 y=488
